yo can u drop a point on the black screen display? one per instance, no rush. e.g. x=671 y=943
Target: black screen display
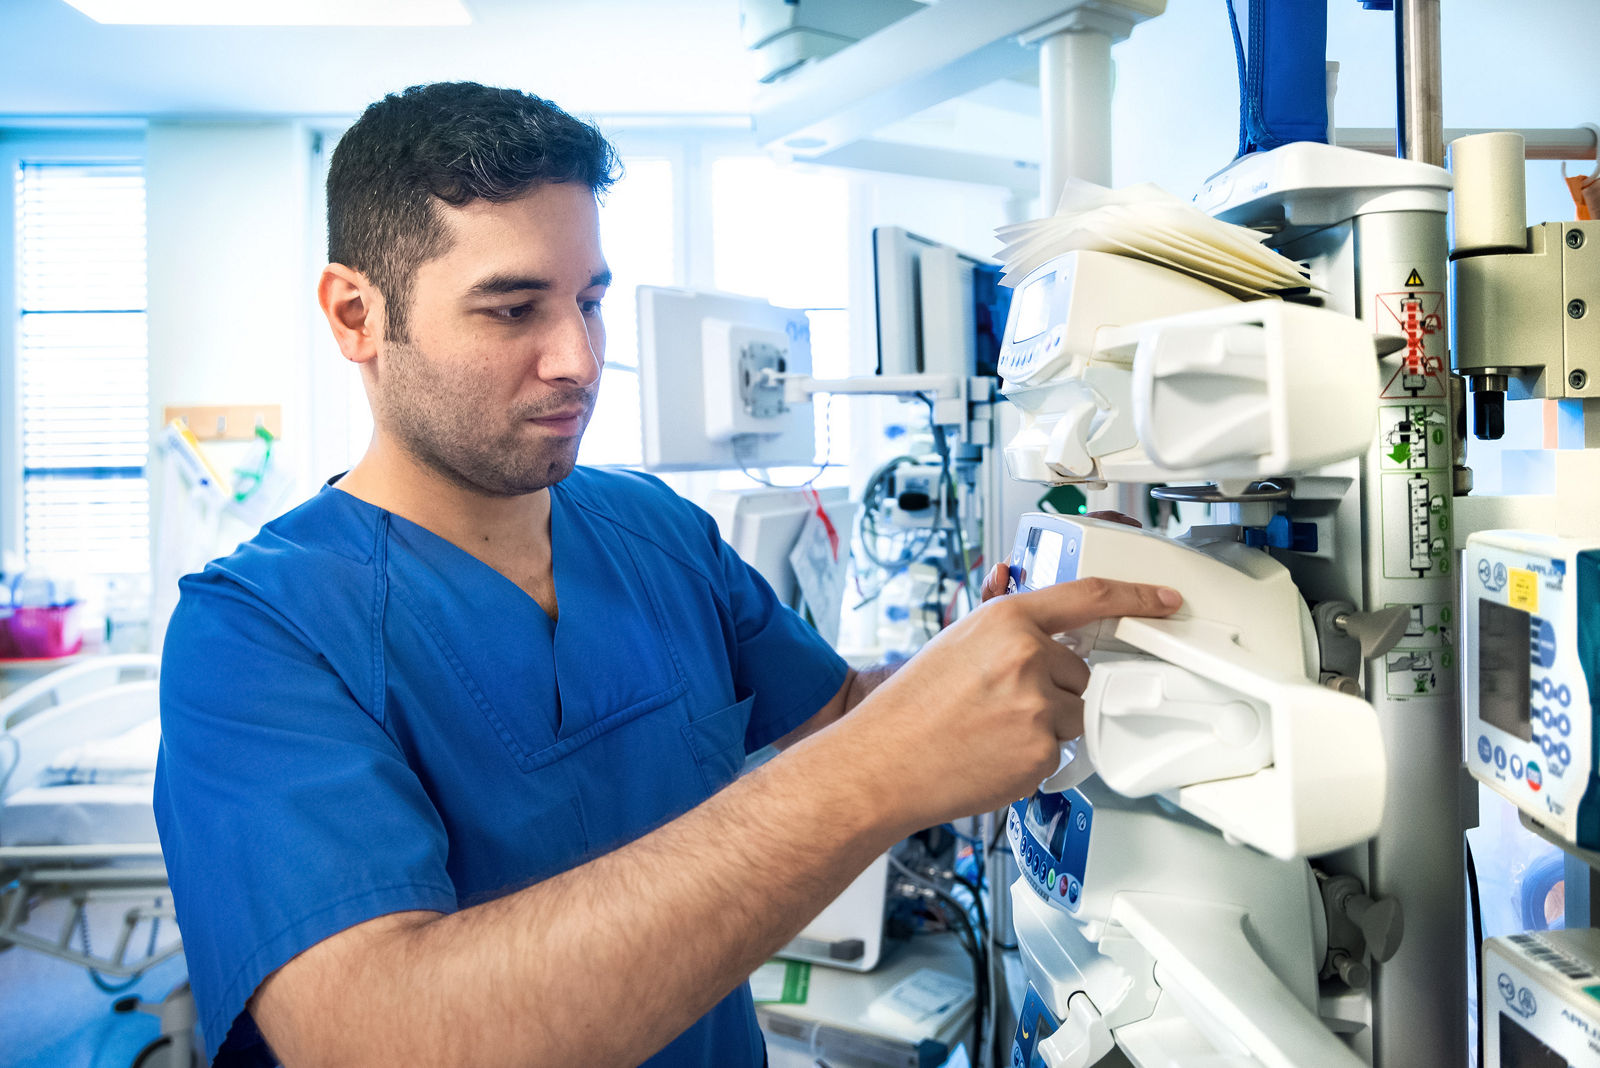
x=1519 y=1049
x=1503 y=677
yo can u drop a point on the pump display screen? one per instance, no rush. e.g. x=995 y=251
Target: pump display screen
x=1046 y=819
x=1033 y=309
x=1042 y=560
x=1519 y=1049
x=1503 y=668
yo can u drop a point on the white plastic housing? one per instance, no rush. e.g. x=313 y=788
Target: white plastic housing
x=1186 y=949
x=1217 y=707
x=1241 y=391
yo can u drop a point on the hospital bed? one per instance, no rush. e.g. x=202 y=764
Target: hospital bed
x=77 y=764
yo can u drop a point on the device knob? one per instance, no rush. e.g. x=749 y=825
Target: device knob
x=1068 y=450
x=1355 y=974
x=1379 y=631
x=1081 y=1040
x=1381 y=923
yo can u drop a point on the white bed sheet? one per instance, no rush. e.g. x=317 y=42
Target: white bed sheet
x=79 y=814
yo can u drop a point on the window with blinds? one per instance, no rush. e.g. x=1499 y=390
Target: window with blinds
x=82 y=367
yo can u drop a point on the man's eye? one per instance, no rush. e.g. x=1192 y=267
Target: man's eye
x=516 y=311
x=590 y=307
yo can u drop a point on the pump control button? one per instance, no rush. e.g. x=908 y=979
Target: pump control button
x=1544 y=643
x=1564 y=723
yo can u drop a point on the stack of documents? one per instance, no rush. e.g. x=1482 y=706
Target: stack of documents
x=1148 y=223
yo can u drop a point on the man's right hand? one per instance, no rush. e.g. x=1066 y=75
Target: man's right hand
x=976 y=719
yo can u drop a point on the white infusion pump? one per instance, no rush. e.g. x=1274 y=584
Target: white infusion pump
x=1531 y=659
x=1541 y=1000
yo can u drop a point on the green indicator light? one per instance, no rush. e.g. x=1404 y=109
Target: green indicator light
x=1052 y=882
x=1593 y=991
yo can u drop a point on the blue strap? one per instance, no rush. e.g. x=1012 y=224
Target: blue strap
x=1238 y=59
x=1283 y=73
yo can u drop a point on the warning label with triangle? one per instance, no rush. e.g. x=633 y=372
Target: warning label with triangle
x=1414 y=279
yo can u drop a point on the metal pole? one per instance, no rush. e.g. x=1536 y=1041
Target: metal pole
x=1577 y=142
x=1421 y=82
x=1075 y=95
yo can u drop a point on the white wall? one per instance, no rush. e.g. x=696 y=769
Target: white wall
x=231 y=295
x=228 y=289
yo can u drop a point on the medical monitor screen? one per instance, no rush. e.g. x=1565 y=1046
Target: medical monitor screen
x=1519 y=1049
x=1033 y=309
x=1503 y=677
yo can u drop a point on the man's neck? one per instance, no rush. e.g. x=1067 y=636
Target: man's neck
x=510 y=534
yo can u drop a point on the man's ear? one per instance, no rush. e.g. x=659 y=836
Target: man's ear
x=354 y=311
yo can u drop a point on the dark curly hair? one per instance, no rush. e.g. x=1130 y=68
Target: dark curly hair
x=454 y=142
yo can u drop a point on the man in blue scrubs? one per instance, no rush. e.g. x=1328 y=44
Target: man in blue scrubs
x=449 y=751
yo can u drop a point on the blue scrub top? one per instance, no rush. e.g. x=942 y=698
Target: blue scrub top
x=360 y=718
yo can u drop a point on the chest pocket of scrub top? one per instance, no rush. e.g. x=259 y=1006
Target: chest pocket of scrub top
x=717 y=740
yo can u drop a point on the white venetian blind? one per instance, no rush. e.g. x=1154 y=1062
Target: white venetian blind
x=83 y=367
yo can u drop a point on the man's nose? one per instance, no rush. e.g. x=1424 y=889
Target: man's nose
x=574 y=354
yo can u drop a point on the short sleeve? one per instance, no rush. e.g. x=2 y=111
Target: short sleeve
x=287 y=813
x=782 y=660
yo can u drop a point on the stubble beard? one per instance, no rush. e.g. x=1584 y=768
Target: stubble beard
x=441 y=421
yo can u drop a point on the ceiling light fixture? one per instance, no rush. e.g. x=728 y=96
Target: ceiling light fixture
x=276 y=12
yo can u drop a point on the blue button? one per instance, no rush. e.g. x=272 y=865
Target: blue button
x=1547 y=687
x=1500 y=757
x=1485 y=748
x=1516 y=766
x=1564 y=723
x=1564 y=695
x=1072 y=892
x=1544 y=643
x=1563 y=753
x=1545 y=716
x=1547 y=744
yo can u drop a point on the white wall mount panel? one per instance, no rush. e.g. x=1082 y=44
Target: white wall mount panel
x=948 y=49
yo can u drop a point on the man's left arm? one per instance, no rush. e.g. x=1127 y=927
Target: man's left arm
x=857 y=684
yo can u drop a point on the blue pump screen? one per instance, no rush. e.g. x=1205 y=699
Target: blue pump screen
x=1046 y=552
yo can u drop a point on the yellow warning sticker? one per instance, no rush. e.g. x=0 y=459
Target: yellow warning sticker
x=1413 y=279
x=1522 y=589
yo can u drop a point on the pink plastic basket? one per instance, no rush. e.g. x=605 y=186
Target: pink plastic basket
x=41 y=631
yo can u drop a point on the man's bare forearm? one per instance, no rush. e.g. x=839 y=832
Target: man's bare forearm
x=606 y=963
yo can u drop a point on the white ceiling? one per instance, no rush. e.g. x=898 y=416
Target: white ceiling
x=601 y=57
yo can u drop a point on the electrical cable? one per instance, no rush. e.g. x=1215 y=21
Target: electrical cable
x=979 y=951
x=105 y=986
x=1476 y=908
x=742 y=442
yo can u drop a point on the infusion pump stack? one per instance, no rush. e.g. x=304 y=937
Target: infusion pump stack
x=1287 y=752
x=1271 y=759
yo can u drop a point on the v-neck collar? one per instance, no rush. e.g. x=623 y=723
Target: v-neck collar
x=506 y=643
